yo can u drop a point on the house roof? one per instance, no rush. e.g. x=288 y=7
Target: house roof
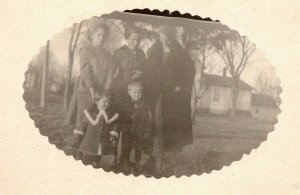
x=263 y=101
x=223 y=81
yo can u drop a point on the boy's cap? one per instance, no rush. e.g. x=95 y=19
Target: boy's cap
x=135 y=85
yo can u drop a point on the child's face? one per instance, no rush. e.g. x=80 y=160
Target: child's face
x=135 y=93
x=103 y=103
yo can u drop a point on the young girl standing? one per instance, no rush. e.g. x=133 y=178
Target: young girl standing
x=101 y=137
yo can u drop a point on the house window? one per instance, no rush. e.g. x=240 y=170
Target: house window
x=216 y=96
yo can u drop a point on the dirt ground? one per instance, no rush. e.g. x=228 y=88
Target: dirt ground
x=218 y=140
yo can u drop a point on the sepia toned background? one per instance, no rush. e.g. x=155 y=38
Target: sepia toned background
x=29 y=165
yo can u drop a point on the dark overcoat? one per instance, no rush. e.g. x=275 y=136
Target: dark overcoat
x=99 y=135
x=152 y=74
x=177 y=70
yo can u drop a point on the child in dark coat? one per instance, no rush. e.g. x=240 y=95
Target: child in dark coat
x=137 y=124
x=102 y=133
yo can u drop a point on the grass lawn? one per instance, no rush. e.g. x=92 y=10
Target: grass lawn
x=218 y=140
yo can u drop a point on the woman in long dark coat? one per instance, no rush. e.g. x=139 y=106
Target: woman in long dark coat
x=152 y=74
x=178 y=77
x=173 y=107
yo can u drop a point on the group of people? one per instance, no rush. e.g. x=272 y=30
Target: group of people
x=144 y=101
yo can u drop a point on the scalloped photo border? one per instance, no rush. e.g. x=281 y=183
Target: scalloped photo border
x=154 y=13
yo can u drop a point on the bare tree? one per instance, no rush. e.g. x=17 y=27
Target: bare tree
x=265 y=83
x=71 y=114
x=75 y=33
x=45 y=76
x=235 y=51
x=38 y=62
x=202 y=53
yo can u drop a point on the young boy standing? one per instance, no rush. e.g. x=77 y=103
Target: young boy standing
x=137 y=129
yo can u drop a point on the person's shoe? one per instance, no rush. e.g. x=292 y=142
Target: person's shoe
x=158 y=165
x=96 y=165
x=78 y=155
x=78 y=132
x=126 y=167
x=150 y=162
x=114 y=163
x=115 y=166
x=139 y=168
x=96 y=162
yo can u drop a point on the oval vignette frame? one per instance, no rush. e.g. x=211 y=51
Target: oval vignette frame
x=212 y=149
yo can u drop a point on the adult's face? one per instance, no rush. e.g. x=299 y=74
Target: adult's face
x=133 y=41
x=97 y=36
x=163 y=38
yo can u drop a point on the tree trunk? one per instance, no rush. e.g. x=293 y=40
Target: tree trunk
x=197 y=89
x=70 y=67
x=72 y=47
x=39 y=81
x=68 y=82
x=235 y=95
x=194 y=102
x=71 y=114
x=45 y=77
x=196 y=96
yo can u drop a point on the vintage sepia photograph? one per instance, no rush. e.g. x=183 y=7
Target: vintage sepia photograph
x=152 y=95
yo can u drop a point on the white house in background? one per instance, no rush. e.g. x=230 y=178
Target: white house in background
x=264 y=108
x=217 y=95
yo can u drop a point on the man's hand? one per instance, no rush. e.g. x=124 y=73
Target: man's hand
x=136 y=74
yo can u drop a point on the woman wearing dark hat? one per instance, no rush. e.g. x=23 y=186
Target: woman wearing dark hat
x=173 y=108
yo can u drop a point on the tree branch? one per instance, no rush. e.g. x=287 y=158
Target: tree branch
x=71 y=39
x=248 y=54
x=77 y=36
